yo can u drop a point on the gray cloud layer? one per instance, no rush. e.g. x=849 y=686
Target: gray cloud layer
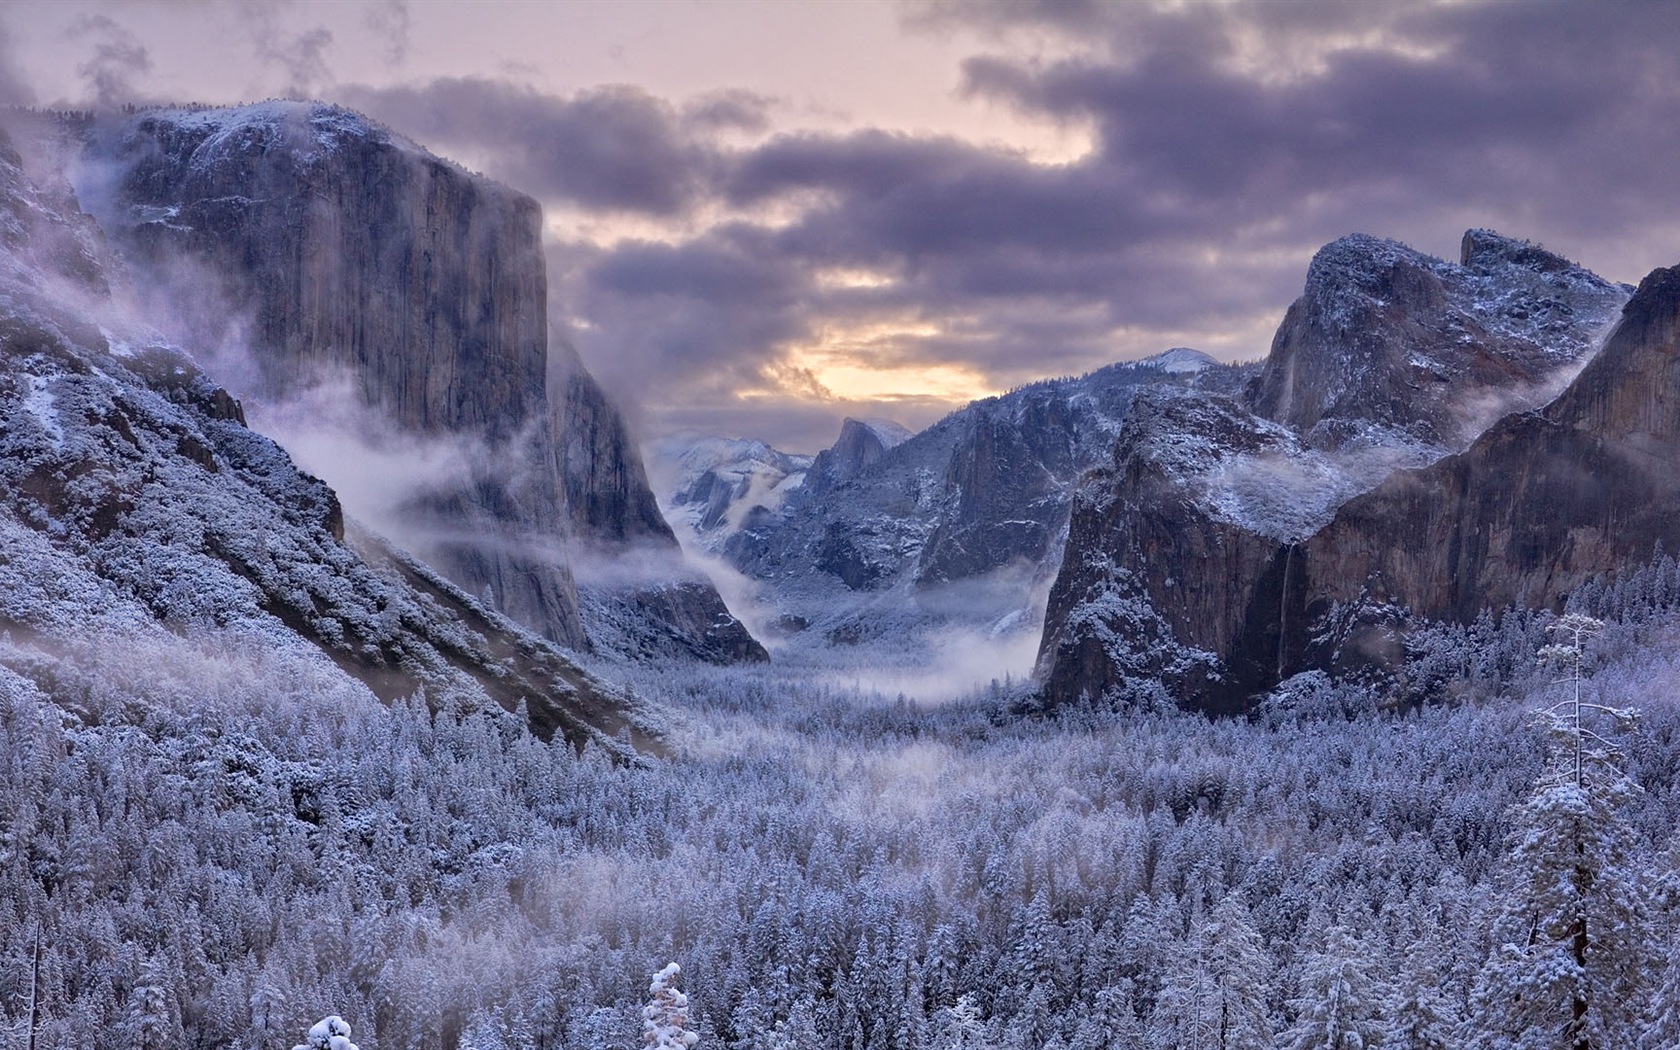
x=1229 y=141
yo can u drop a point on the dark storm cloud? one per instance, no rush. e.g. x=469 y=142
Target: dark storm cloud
x=1464 y=104
x=708 y=314
x=615 y=148
x=1228 y=143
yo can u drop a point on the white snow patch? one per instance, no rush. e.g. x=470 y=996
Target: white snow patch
x=41 y=404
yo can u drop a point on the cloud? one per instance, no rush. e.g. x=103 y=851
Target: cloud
x=118 y=59
x=391 y=20
x=1228 y=142
x=612 y=148
x=299 y=55
x=14 y=85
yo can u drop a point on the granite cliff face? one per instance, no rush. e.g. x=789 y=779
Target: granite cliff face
x=354 y=254
x=861 y=444
x=1191 y=557
x=605 y=486
x=139 y=514
x=1384 y=336
x=335 y=252
x=1538 y=505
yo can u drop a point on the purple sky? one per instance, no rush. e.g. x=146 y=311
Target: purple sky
x=765 y=216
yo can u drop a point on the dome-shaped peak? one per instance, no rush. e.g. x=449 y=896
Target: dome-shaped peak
x=1361 y=262
x=1179 y=360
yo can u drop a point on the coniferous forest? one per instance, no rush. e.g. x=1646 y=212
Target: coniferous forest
x=239 y=848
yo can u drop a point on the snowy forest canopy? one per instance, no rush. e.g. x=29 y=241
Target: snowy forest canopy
x=229 y=851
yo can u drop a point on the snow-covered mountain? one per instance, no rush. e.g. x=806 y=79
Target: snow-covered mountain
x=1201 y=555
x=715 y=484
x=138 y=509
x=382 y=308
x=886 y=538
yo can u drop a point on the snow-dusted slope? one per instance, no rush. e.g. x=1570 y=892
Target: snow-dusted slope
x=716 y=483
x=135 y=504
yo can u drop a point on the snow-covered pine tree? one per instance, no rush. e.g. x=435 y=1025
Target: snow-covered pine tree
x=665 y=1018
x=1420 y=1017
x=329 y=1033
x=963 y=1029
x=1340 y=1007
x=1216 y=992
x=1573 y=951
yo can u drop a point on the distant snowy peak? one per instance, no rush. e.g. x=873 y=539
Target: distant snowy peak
x=694 y=456
x=1180 y=360
x=715 y=485
x=861 y=443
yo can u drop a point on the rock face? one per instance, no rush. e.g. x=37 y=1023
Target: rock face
x=1538 y=505
x=1386 y=336
x=1207 y=553
x=342 y=254
x=135 y=505
x=605 y=486
x=356 y=254
x=861 y=444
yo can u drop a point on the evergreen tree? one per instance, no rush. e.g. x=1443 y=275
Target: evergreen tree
x=1339 y=1007
x=1215 y=995
x=1572 y=955
x=1419 y=1015
x=329 y=1033
x=963 y=1029
x=665 y=1018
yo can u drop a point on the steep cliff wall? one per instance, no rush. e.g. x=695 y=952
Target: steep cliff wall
x=1540 y=503
x=355 y=252
x=1219 y=553
x=136 y=505
x=336 y=252
x=605 y=485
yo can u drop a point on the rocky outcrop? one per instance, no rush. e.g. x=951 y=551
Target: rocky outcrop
x=335 y=252
x=1160 y=579
x=1217 y=552
x=605 y=486
x=861 y=444
x=615 y=517
x=1386 y=336
x=1008 y=480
